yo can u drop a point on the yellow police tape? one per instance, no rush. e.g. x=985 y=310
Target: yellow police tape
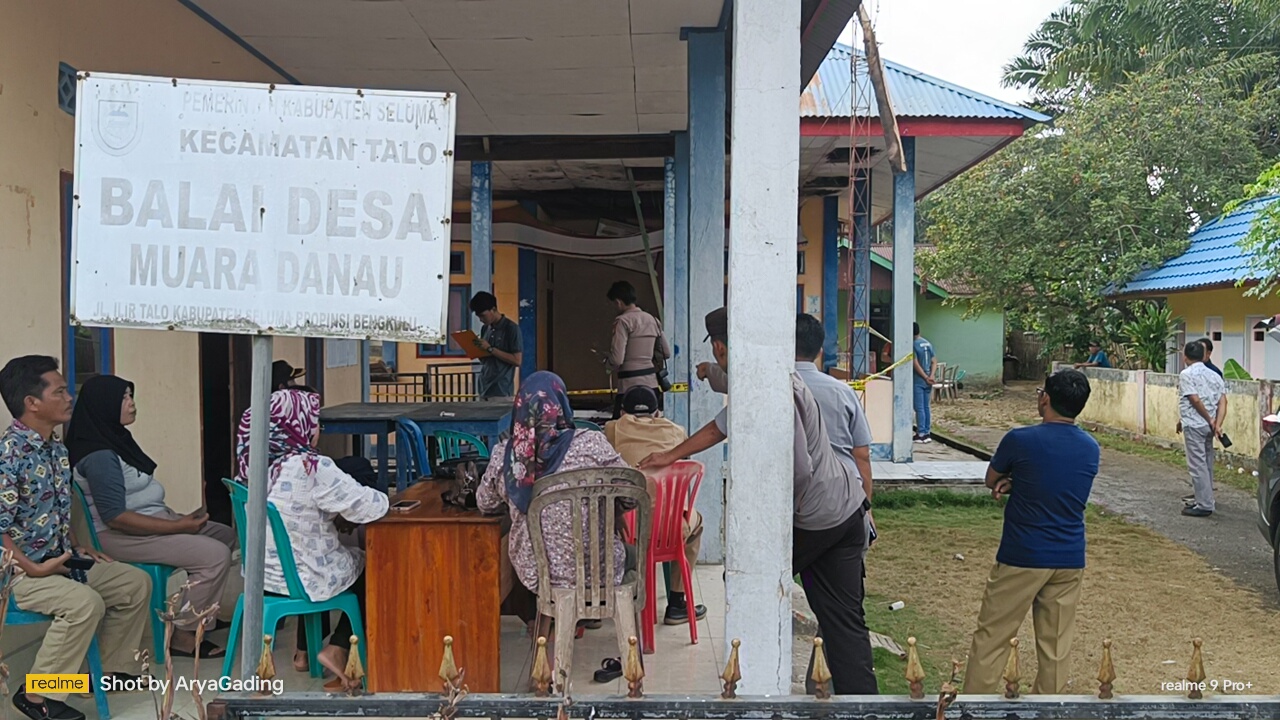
x=681 y=387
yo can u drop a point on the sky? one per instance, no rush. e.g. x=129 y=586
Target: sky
x=964 y=42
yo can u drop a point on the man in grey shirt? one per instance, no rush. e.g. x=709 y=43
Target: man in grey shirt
x=842 y=412
x=500 y=337
x=829 y=531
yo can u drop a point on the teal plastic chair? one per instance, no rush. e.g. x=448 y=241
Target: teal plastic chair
x=449 y=445
x=277 y=608
x=587 y=425
x=159 y=575
x=17 y=616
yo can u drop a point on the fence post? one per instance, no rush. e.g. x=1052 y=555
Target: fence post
x=1142 y=401
x=1266 y=396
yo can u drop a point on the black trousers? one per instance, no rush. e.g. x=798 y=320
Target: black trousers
x=341 y=635
x=829 y=563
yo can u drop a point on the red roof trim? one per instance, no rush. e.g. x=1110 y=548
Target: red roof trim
x=919 y=127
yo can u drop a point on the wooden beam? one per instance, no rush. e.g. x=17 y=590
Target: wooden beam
x=563 y=147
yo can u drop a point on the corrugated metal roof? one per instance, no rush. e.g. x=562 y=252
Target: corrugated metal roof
x=1214 y=257
x=914 y=94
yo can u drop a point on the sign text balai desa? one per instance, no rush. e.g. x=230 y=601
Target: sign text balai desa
x=243 y=208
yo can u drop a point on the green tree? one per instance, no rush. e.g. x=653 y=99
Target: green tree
x=1044 y=228
x=1097 y=45
x=1262 y=243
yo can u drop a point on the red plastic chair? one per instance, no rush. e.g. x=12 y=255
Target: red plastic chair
x=676 y=491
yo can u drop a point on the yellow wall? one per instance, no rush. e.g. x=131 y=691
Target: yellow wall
x=811 y=224
x=1115 y=397
x=1231 y=304
x=506 y=287
x=150 y=37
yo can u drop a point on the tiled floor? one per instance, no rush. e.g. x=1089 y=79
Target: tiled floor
x=677 y=667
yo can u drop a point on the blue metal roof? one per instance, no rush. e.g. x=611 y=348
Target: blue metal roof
x=914 y=94
x=1214 y=257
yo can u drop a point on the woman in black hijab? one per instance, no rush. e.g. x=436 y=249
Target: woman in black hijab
x=127 y=508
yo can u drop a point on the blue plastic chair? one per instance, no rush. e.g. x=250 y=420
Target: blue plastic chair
x=411 y=447
x=587 y=425
x=159 y=575
x=17 y=616
x=275 y=607
x=449 y=445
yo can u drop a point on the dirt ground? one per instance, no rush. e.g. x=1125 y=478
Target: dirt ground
x=1143 y=490
x=1155 y=579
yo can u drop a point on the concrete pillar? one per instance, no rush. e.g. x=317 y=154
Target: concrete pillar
x=904 y=299
x=762 y=279
x=675 y=259
x=860 y=337
x=482 y=235
x=831 y=280
x=528 y=310
x=706 y=257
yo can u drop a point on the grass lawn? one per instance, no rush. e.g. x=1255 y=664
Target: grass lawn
x=1148 y=594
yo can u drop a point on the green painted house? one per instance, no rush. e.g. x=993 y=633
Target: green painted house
x=975 y=344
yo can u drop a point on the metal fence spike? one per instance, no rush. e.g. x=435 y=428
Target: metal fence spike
x=355 y=667
x=1011 y=676
x=821 y=673
x=1106 y=672
x=915 y=672
x=266 y=665
x=541 y=670
x=732 y=672
x=448 y=668
x=633 y=670
x=1195 y=673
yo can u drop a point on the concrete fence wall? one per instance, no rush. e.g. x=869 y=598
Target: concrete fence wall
x=1145 y=403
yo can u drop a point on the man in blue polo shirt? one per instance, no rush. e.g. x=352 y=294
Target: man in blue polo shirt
x=1047 y=470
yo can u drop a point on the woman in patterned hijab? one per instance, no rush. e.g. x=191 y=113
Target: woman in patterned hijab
x=541 y=432
x=310 y=493
x=294 y=425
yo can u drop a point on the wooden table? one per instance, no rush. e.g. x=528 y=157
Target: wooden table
x=432 y=572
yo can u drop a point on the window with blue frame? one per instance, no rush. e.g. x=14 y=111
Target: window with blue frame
x=459 y=313
x=799 y=299
x=86 y=351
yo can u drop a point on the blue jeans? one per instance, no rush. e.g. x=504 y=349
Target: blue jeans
x=922 y=395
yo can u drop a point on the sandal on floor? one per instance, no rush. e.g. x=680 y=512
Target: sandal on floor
x=207 y=651
x=610 y=670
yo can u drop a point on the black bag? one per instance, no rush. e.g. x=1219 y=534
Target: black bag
x=359 y=468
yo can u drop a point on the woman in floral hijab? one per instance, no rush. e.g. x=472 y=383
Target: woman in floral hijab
x=543 y=441
x=310 y=492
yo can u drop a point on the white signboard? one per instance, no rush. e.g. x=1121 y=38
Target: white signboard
x=245 y=208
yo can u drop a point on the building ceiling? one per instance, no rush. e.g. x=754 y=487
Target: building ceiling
x=519 y=67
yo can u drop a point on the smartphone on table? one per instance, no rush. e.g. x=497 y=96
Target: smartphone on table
x=403 y=506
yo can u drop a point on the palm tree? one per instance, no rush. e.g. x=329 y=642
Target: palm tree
x=1090 y=45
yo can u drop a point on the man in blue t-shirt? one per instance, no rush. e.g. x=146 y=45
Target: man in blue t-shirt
x=1047 y=471
x=1097 y=357
x=924 y=371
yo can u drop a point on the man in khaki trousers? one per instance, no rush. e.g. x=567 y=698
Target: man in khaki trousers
x=1047 y=471
x=35 y=521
